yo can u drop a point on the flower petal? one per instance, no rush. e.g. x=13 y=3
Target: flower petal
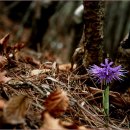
x=106 y=73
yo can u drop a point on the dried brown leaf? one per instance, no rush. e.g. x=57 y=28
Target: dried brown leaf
x=72 y=126
x=32 y=61
x=16 y=109
x=66 y=67
x=3 y=43
x=5 y=39
x=12 y=52
x=83 y=128
x=2 y=104
x=51 y=123
x=57 y=103
x=55 y=68
x=18 y=46
x=3 y=78
x=39 y=71
x=3 y=61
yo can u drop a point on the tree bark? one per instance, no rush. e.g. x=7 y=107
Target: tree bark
x=93 y=31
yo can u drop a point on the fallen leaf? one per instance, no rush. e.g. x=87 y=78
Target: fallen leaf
x=66 y=67
x=3 y=43
x=32 y=61
x=13 y=52
x=2 y=104
x=57 y=103
x=16 y=109
x=51 y=123
x=38 y=71
x=73 y=126
x=5 y=39
x=18 y=46
x=3 y=61
x=55 y=68
x=3 y=78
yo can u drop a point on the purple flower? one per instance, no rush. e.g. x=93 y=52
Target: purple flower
x=106 y=73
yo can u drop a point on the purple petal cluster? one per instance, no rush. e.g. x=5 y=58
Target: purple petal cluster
x=106 y=73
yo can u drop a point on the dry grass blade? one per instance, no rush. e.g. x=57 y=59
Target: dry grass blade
x=55 y=80
x=57 y=103
x=89 y=114
x=15 y=109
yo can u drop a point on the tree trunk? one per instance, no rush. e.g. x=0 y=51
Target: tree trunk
x=93 y=31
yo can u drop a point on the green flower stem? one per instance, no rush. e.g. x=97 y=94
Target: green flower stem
x=106 y=102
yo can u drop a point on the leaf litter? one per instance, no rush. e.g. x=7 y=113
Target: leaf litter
x=43 y=96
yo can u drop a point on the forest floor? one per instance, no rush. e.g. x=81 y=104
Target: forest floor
x=38 y=93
